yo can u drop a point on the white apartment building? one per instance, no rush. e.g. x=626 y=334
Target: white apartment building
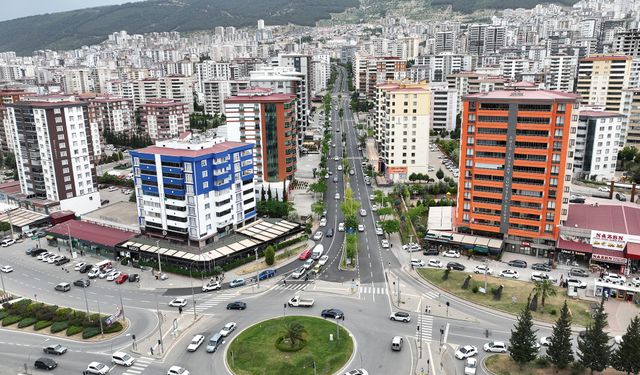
x=596 y=149
x=140 y=91
x=445 y=107
x=561 y=72
x=215 y=92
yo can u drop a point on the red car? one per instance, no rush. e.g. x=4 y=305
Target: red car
x=122 y=278
x=305 y=255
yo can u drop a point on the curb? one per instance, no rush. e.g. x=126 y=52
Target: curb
x=484 y=367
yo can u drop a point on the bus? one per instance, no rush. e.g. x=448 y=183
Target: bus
x=103 y=264
x=317 y=252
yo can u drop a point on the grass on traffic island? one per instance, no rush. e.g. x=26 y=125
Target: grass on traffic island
x=38 y=317
x=261 y=349
x=502 y=364
x=507 y=303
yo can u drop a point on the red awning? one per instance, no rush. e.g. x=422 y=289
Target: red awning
x=574 y=246
x=633 y=250
x=608 y=256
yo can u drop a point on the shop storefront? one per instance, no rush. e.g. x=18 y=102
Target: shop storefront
x=626 y=292
x=465 y=244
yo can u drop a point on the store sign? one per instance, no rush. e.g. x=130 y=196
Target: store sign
x=608 y=240
x=608 y=259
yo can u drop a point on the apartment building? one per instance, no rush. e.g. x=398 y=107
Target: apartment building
x=632 y=117
x=215 y=93
x=596 y=149
x=561 y=72
x=8 y=96
x=268 y=120
x=111 y=114
x=164 y=118
x=55 y=149
x=516 y=162
x=445 y=107
x=627 y=43
x=194 y=189
x=368 y=72
x=140 y=91
x=445 y=41
x=403 y=122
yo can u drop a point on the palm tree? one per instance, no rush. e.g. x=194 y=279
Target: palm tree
x=544 y=289
x=293 y=333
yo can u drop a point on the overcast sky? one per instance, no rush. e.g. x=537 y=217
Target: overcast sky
x=15 y=9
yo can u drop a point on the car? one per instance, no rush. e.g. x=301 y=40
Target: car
x=384 y=243
x=237 y=282
x=318 y=236
x=178 y=302
x=335 y=179
x=6 y=269
x=7 y=242
x=63 y=287
x=363 y=212
x=360 y=227
x=83 y=283
x=122 y=359
x=54 y=259
x=372 y=197
x=517 y=263
x=96 y=368
x=237 y=305
x=341 y=227
x=61 y=260
x=323 y=260
x=78 y=266
x=339 y=167
x=113 y=188
x=466 y=351
x=305 y=255
x=577 y=283
x=195 y=343
x=482 y=269
x=228 y=328
x=379 y=231
x=352 y=172
x=45 y=363
x=114 y=275
x=121 y=278
x=435 y=263
x=621 y=197
x=470 y=366
x=308 y=264
x=451 y=254
x=337 y=196
x=575 y=199
x=545 y=340
x=42 y=255
x=104 y=273
x=539 y=276
x=36 y=252
x=578 y=272
x=332 y=313
x=357 y=371
x=86 y=268
x=336 y=158
x=93 y=273
x=417 y=263
x=614 y=278
x=495 y=347
x=511 y=274
x=134 y=277
x=329 y=233
x=541 y=267
x=104 y=201
x=603 y=189
x=215 y=285
x=455 y=266
x=430 y=251
x=400 y=316
x=298 y=273
x=323 y=222
x=56 y=349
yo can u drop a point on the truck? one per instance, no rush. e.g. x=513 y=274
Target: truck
x=297 y=301
x=317 y=252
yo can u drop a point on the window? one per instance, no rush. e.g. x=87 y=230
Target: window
x=559 y=120
x=205 y=174
x=205 y=185
x=203 y=163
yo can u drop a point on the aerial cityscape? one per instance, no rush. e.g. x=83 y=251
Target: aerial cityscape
x=350 y=187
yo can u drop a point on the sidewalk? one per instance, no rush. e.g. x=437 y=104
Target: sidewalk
x=172 y=326
x=435 y=359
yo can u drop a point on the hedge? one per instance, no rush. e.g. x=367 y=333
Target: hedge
x=26 y=322
x=59 y=326
x=42 y=324
x=3 y=314
x=292 y=241
x=115 y=327
x=11 y=319
x=90 y=332
x=72 y=330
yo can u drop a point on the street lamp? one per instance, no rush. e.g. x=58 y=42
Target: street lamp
x=4 y=291
x=193 y=295
x=158 y=251
x=86 y=302
x=70 y=242
x=121 y=304
x=257 y=270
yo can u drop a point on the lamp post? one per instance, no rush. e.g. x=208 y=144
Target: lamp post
x=4 y=291
x=486 y=270
x=193 y=295
x=70 y=242
x=100 y=319
x=86 y=302
x=158 y=252
x=159 y=324
x=121 y=304
x=257 y=270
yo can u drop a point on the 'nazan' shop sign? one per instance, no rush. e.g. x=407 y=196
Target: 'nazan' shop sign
x=608 y=240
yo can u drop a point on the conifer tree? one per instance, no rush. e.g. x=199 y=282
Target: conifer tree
x=560 y=351
x=626 y=356
x=594 y=350
x=523 y=339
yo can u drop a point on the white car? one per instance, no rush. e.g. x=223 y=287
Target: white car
x=97 y=368
x=411 y=247
x=308 y=264
x=577 y=283
x=379 y=231
x=318 y=236
x=336 y=158
x=466 y=351
x=495 y=347
x=195 y=343
x=51 y=260
x=177 y=370
x=228 y=328
x=323 y=222
x=470 y=366
x=114 y=275
x=79 y=265
x=372 y=197
x=42 y=255
x=298 y=273
x=539 y=276
x=339 y=167
x=545 y=340
x=451 y=254
x=363 y=212
x=434 y=263
x=6 y=269
x=323 y=260
x=360 y=228
x=95 y=272
x=614 y=278
x=341 y=227
x=212 y=286
x=7 y=242
x=104 y=273
x=357 y=371
x=374 y=207
x=178 y=302
x=510 y=274
x=482 y=269
x=417 y=263
x=603 y=189
x=337 y=196
x=384 y=243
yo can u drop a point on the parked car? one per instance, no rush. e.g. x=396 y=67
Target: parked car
x=578 y=272
x=541 y=267
x=384 y=243
x=86 y=268
x=511 y=274
x=603 y=189
x=451 y=254
x=417 y=263
x=113 y=275
x=305 y=255
x=56 y=349
x=332 y=313
x=466 y=351
x=237 y=305
x=341 y=227
x=7 y=242
x=495 y=347
x=455 y=266
x=82 y=283
x=614 y=278
x=237 y=282
x=482 y=269
x=577 y=283
x=195 y=343
x=45 y=363
x=121 y=278
x=435 y=263
x=79 y=265
x=518 y=263
x=212 y=286
x=539 y=276
x=430 y=251
x=400 y=316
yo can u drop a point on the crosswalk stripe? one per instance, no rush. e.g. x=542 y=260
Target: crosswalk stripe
x=132 y=372
x=146 y=359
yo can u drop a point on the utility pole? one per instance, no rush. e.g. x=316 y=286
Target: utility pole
x=158 y=251
x=100 y=319
x=398 y=286
x=257 y=270
x=159 y=324
x=486 y=270
x=193 y=295
x=86 y=302
x=420 y=326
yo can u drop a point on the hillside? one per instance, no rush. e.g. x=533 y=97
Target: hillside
x=73 y=29
x=466 y=6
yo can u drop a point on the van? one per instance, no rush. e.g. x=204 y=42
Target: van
x=63 y=287
x=214 y=342
x=396 y=343
x=103 y=264
x=317 y=252
x=122 y=359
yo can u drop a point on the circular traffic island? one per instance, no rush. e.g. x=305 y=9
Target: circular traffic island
x=290 y=345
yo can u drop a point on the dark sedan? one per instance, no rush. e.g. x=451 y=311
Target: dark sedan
x=86 y=268
x=432 y=251
x=332 y=313
x=541 y=267
x=518 y=263
x=56 y=349
x=82 y=283
x=62 y=261
x=45 y=363
x=236 y=306
x=455 y=266
x=329 y=233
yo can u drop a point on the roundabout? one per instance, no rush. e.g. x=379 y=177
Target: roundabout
x=290 y=345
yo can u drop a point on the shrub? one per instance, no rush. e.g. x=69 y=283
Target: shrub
x=73 y=330
x=62 y=315
x=445 y=275
x=124 y=261
x=475 y=289
x=42 y=324
x=26 y=322
x=554 y=311
x=59 y=326
x=90 y=332
x=115 y=327
x=11 y=319
x=3 y=314
x=541 y=362
x=577 y=368
x=46 y=312
x=78 y=318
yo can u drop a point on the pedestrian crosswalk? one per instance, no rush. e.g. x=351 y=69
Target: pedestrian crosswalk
x=372 y=290
x=431 y=295
x=138 y=366
x=425 y=322
x=297 y=286
x=216 y=299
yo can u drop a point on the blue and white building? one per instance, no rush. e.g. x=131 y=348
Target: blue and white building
x=194 y=189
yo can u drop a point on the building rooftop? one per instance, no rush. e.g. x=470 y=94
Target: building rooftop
x=259 y=97
x=93 y=233
x=195 y=151
x=600 y=114
x=520 y=95
x=608 y=218
x=606 y=58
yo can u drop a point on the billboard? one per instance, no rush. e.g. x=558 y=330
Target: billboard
x=608 y=240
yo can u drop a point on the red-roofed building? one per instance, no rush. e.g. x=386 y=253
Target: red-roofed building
x=164 y=118
x=88 y=236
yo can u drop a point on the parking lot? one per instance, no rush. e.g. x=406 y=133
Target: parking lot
x=437 y=161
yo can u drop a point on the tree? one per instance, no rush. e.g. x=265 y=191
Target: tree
x=4 y=226
x=270 y=255
x=626 y=358
x=318 y=208
x=560 y=351
x=440 y=174
x=390 y=226
x=385 y=211
x=523 y=340
x=628 y=153
x=10 y=161
x=318 y=187
x=594 y=350
x=544 y=289
x=293 y=333
x=262 y=193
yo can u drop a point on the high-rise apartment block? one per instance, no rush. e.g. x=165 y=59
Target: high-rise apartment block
x=194 y=189
x=445 y=107
x=368 y=72
x=561 y=72
x=627 y=43
x=111 y=114
x=445 y=41
x=140 y=91
x=516 y=161
x=8 y=96
x=596 y=148
x=215 y=93
x=164 y=118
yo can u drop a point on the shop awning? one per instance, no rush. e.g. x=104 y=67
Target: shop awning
x=633 y=250
x=481 y=249
x=580 y=247
x=608 y=256
x=495 y=244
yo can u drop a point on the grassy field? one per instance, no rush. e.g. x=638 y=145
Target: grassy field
x=255 y=353
x=512 y=288
x=501 y=364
